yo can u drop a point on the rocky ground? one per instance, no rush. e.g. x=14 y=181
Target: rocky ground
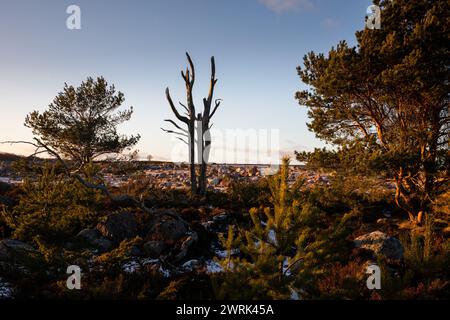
x=172 y=242
x=176 y=176
x=168 y=246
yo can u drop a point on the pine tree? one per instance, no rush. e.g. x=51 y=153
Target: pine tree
x=268 y=255
x=392 y=89
x=81 y=123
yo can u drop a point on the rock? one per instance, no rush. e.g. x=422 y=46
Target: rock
x=216 y=224
x=209 y=225
x=154 y=248
x=381 y=244
x=186 y=245
x=253 y=171
x=271 y=170
x=92 y=236
x=323 y=179
x=168 y=230
x=215 y=182
x=135 y=251
x=225 y=183
x=88 y=235
x=190 y=214
x=10 y=248
x=386 y=213
x=15 y=256
x=191 y=265
x=220 y=218
x=6 y=201
x=205 y=238
x=119 y=226
x=102 y=244
x=70 y=245
x=5 y=187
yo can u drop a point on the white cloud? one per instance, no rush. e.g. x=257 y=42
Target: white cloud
x=280 y=6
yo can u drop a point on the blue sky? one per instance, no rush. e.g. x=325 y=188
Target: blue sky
x=139 y=46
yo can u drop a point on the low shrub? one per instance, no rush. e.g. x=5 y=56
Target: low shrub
x=53 y=207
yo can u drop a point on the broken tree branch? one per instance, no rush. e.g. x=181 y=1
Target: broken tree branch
x=217 y=104
x=191 y=64
x=185 y=108
x=174 y=110
x=175 y=132
x=176 y=126
x=183 y=140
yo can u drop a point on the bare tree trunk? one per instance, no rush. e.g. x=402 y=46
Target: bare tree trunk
x=205 y=120
x=203 y=169
x=200 y=152
x=193 y=174
x=401 y=199
x=197 y=186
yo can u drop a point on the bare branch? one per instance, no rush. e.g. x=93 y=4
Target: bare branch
x=37 y=153
x=208 y=101
x=176 y=125
x=183 y=140
x=174 y=132
x=19 y=142
x=217 y=102
x=213 y=68
x=192 y=69
x=185 y=108
x=185 y=78
x=174 y=110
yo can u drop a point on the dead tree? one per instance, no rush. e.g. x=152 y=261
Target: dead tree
x=205 y=123
x=190 y=119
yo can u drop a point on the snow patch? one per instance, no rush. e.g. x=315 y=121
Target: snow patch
x=131 y=267
x=286 y=271
x=149 y=261
x=294 y=295
x=6 y=292
x=190 y=265
x=272 y=236
x=164 y=272
x=224 y=253
x=213 y=266
x=11 y=180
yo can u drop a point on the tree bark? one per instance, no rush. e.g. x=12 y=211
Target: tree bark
x=198 y=184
